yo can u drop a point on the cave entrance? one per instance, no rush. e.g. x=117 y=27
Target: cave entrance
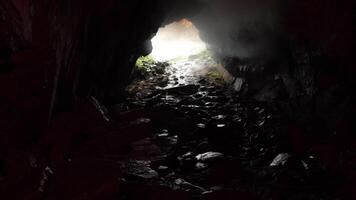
x=180 y=45
x=179 y=58
x=177 y=40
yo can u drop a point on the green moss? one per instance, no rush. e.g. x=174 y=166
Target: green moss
x=145 y=63
x=214 y=74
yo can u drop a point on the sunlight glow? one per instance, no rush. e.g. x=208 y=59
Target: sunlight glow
x=177 y=40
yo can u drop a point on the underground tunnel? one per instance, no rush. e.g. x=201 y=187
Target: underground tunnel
x=181 y=100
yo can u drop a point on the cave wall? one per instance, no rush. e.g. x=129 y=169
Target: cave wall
x=96 y=44
x=54 y=54
x=65 y=50
x=296 y=54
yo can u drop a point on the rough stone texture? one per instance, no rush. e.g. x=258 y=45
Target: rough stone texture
x=55 y=54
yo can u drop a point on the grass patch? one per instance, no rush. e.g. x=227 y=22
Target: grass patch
x=146 y=67
x=214 y=75
x=145 y=62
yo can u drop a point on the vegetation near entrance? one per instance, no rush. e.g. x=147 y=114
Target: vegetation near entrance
x=145 y=63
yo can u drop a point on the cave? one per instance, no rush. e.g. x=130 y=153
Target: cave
x=178 y=39
x=180 y=99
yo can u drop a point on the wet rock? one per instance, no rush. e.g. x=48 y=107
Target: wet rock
x=211 y=119
x=190 y=106
x=187 y=160
x=188 y=155
x=280 y=159
x=162 y=168
x=220 y=125
x=181 y=183
x=46 y=173
x=163 y=81
x=201 y=165
x=201 y=125
x=163 y=135
x=261 y=123
x=305 y=165
x=160 y=70
x=139 y=168
x=170 y=99
x=238 y=84
x=183 y=90
x=209 y=156
x=237 y=118
x=219 y=117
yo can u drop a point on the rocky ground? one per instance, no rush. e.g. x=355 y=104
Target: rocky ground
x=210 y=142
x=181 y=134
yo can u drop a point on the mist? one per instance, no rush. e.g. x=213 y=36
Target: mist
x=239 y=28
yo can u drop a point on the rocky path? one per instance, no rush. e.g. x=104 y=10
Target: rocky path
x=178 y=136
x=210 y=143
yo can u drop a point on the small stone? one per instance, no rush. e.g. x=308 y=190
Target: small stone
x=305 y=165
x=219 y=117
x=179 y=181
x=201 y=165
x=237 y=119
x=200 y=125
x=162 y=167
x=185 y=156
x=209 y=156
x=261 y=123
x=163 y=135
x=280 y=159
x=220 y=125
x=139 y=168
x=189 y=186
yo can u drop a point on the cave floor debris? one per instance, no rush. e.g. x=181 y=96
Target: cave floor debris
x=185 y=139
x=209 y=142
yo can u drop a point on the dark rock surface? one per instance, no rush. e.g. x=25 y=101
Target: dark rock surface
x=67 y=128
x=226 y=144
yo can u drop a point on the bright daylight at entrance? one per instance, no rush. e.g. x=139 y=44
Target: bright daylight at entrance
x=177 y=40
